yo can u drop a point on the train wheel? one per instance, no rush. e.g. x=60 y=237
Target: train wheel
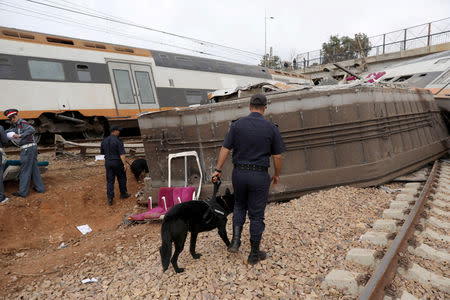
x=96 y=130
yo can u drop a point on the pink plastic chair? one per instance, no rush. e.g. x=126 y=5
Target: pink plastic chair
x=183 y=194
x=165 y=202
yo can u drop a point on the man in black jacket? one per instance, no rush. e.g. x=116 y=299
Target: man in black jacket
x=253 y=140
x=115 y=164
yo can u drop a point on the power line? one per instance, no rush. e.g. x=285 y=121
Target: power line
x=115 y=20
x=66 y=21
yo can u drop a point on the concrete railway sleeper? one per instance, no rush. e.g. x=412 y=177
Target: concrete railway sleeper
x=416 y=228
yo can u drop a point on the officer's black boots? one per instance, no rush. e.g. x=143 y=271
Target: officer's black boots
x=110 y=200
x=255 y=254
x=236 y=240
x=124 y=196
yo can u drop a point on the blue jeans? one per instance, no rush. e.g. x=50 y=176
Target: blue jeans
x=29 y=171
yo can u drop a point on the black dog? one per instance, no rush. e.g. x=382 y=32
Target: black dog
x=194 y=216
x=138 y=166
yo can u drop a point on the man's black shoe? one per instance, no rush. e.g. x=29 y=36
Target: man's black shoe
x=124 y=196
x=17 y=194
x=36 y=190
x=110 y=201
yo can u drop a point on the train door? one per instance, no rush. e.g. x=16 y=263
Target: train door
x=133 y=87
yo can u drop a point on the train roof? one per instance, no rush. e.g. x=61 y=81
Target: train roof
x=63 y=41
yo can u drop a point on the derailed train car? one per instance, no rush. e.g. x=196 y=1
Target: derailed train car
x=359 y=134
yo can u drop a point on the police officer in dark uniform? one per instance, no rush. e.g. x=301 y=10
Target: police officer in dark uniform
x=253 y=140
x=115 y=164
x=3 y=141
x=29 y=170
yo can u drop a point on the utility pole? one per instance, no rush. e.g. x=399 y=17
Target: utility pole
x=265 y=37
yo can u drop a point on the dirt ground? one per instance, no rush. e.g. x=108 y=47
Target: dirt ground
x=32 y=228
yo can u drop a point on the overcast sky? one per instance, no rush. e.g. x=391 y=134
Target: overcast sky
x=297 y=26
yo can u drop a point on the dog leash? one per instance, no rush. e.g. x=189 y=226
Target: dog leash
x=211 y=212
x=216 y=187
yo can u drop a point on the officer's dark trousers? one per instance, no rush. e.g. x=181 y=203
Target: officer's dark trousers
x=114 y=168
x=251 y=190
x=29 y=170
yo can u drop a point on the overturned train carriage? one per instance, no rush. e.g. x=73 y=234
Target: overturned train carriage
x=358 y=134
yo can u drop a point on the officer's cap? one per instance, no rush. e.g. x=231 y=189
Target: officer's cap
x=258 y=100
x=115 y=128
x=10 y=112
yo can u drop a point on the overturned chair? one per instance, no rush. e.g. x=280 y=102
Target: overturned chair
x=169 y=196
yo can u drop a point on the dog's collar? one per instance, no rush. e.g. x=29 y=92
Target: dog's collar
x=214 y=209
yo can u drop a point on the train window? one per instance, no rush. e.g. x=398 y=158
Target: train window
x=27 y=36
x=442 y=61
x=59 y=41
x=223 y=68
x=403 y=78
x=10 y=33
x=128 y=50
x=164 y=58
x=423 y=75
x=47 y=70
x=83 y=73
x=6 y=68
x=205 y=65
x=145 y=87
x=388 y=79
x=194 y=97
x=98 y=46
x=184 y=61
x=123 y=84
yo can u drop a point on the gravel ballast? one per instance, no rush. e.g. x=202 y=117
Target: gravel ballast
x=305 y=238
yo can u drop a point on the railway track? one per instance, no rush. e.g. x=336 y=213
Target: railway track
x=12 y=150
x=405 y=256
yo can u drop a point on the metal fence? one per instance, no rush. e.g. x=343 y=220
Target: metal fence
x=433 y=33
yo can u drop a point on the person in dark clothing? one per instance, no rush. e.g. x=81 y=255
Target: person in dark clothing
x=29 y=170
x=115 y=164
x=253 y=140
x=3 y=141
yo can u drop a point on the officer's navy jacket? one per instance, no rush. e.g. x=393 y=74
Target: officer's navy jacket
x=112 y=147
x=253 y=140
x=25 y=130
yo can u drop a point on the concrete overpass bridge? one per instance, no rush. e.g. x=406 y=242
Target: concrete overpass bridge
x=385 y=50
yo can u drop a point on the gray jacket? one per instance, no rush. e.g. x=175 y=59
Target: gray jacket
x=25 y=130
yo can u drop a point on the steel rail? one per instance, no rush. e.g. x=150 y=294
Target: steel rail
x=386 y=271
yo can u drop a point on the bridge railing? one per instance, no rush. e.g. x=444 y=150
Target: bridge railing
x=433 y=33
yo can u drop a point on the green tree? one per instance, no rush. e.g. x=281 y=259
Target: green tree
x=271 y=61
x=339 y=49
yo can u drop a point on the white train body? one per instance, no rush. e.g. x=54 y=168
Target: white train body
x=431 y=72
x=68 y=85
